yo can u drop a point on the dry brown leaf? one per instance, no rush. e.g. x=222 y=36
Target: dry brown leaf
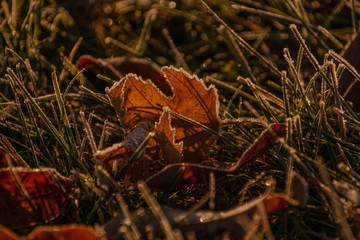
x=182 y=174
x=239 y=222
x=136 y=100
x=115 y=157
x=165 y=136
x=120 y=66
x=243 y=221
x=267 y=139
x=31 y=196
x=67 y=232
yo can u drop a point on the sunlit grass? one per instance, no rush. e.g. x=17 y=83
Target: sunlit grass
x=275 y=62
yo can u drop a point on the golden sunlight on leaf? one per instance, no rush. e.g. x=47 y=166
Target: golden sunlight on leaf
x=165 y=136
x=193 y=103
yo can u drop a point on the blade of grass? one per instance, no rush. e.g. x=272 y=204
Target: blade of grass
x=9 y=147
x=157 y=211
x=300 y=84
x=335 y=81
x=268 y=14
x=24 y=124
x=146 y=32
x=12 y=77
x=285 y=94
x=89 y=133
x=243 y=43
x=63 y=115
x=337 y=211
x=235 y=50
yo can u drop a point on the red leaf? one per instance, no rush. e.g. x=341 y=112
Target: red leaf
x=266 y=140
x=29 y=197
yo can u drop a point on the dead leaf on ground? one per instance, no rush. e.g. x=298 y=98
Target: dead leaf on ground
x=186 y=127
x=67 y=232
x=31 y=196
x=115 y=158
x=165 y=136
x=243 y=221
x=120 y=66
x=136 y=100
x=182 y=174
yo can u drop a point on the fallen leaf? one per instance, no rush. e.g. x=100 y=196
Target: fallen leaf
x=136 y=100
x=120 y=66
x=67 y=232
x=183 y=174
x=31 y=196
x=267 y=139
x=165 y=136
x=243 y=221
x=115 y=157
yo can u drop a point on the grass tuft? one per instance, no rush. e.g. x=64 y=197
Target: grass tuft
x=272 y=61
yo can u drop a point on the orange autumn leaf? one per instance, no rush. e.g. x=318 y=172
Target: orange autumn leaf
x=165 y=136
x=278 y=201
x=68 y=232
x=120 y=66
x=31 y=196
x=193 y=103
x=267 y=139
